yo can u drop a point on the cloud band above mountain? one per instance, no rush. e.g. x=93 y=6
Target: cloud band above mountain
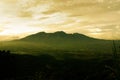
x=96 y=18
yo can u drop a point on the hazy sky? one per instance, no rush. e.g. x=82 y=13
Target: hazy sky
x=96 y=18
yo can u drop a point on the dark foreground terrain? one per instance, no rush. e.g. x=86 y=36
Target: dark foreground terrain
x=49 y=67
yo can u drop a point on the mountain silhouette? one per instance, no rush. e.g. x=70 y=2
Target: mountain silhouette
x=58 y=41
x=60 y=36
x=63 y=41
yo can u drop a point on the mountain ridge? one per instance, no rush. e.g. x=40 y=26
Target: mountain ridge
x=59 y=41
x=57 y=35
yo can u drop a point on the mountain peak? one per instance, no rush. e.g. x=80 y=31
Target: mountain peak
x=40 y=33
x=60 y=32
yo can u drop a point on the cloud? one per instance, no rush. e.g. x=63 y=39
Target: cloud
x=90 y=17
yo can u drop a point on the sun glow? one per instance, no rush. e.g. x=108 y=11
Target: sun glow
x=96 y=30
x=22 y=17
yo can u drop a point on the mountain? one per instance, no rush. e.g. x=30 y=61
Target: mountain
x=60 y=35
x=59 y=41
x=63 y=41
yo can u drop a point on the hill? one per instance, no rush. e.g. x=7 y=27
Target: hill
x=59 y=41
x=60 y=35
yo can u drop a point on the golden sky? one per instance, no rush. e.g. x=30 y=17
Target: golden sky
x=95 y=18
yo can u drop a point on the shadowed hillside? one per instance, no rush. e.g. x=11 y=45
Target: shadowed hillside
x=49 y=67
x=7 y=65
x=60 y=35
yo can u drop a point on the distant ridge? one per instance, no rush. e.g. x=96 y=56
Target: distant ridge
x=59 y=35
x=58 y=41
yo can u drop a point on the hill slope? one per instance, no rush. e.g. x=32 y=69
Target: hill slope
x=59 y=41
x=60 y=35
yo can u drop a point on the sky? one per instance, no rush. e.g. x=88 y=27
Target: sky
x=94 y=18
